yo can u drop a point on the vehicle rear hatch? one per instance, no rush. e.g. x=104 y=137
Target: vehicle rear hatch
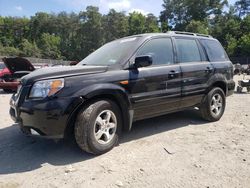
x=17 y=64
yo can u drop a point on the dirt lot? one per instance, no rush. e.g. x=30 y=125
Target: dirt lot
x=177 y=150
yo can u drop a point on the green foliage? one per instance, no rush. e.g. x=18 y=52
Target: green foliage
x=9 y=51
x=116 y=23
x=231 y=46
x=90 y=36
x=151 y=24
x=179 y=13
x=73 y=36
x=29 y=49
x=136 y=23
x=197 y=27
x=244 y=45
x=50 y=46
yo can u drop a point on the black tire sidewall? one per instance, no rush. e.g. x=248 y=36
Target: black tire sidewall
x=210 y=96
x=93 y=144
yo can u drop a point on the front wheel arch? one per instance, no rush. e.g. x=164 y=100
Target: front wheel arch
x=86 y=101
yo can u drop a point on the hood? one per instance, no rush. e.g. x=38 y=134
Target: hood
x=18 y=64
x=59 y=72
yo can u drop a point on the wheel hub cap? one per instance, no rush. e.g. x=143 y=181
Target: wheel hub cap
x=216 y=104
x=105 y=127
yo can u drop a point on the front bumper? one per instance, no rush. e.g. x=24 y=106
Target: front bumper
x=45 y=118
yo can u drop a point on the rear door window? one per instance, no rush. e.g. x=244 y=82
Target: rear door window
x=214 y=50
x=187 y=50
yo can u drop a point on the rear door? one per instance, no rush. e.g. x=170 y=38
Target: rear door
x=196 y=70
x=161 y=89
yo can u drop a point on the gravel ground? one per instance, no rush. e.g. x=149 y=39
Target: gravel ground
x=176 y=150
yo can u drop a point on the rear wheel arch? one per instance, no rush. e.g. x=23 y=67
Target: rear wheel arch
x=220 y=84
x=217 y=80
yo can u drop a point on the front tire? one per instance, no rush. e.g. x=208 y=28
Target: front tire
x=98 y=126
x=214 y=105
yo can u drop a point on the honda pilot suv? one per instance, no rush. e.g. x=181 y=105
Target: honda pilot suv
x=124 y=81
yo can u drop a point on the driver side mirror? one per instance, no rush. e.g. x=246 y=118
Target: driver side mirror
x=143 y=61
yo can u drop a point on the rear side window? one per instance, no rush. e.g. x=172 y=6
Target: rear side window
x=160 y=49
x=187 y=50
x=214 y=50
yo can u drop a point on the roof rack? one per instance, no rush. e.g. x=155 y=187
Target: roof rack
x=189 y=33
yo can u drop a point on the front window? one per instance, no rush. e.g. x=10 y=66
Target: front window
x=112 y=53
x=160 y=49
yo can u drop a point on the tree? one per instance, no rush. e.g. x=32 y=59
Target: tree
x=197 y=27
x=244 y=45
x=38 y=25
x=151 y=24
x=9 y=51
x=231 y=46
x=90 y=32
x=245 y=25
x=29 y=49
x=136 y=23
x=73 y=36
x=226 y=25
x=115 y=25
x=50 y=46
x=178 y=13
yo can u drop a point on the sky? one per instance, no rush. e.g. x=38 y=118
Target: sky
x=28 y=8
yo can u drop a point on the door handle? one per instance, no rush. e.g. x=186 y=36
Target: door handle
x=209 y=70
x=173 y=74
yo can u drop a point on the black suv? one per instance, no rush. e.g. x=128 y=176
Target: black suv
x=126 y=80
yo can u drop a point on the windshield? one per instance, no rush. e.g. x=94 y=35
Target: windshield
x=112 y=53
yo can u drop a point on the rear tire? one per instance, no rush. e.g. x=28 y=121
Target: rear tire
x=213 y=106
x=98 y=126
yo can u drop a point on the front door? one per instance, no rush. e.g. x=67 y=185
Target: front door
x=160 y=89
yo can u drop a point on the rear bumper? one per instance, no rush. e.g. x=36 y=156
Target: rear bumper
x=47 y=118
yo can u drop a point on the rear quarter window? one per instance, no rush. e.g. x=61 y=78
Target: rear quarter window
x=214 y=50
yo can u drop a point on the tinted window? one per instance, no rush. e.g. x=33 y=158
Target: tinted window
x=160 y=49
x=187 y=50
x=214 y=50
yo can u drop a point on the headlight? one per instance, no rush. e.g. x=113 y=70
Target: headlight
x=46 y=88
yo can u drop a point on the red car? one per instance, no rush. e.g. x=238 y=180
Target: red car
x=14 y=69
x=3 y=70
